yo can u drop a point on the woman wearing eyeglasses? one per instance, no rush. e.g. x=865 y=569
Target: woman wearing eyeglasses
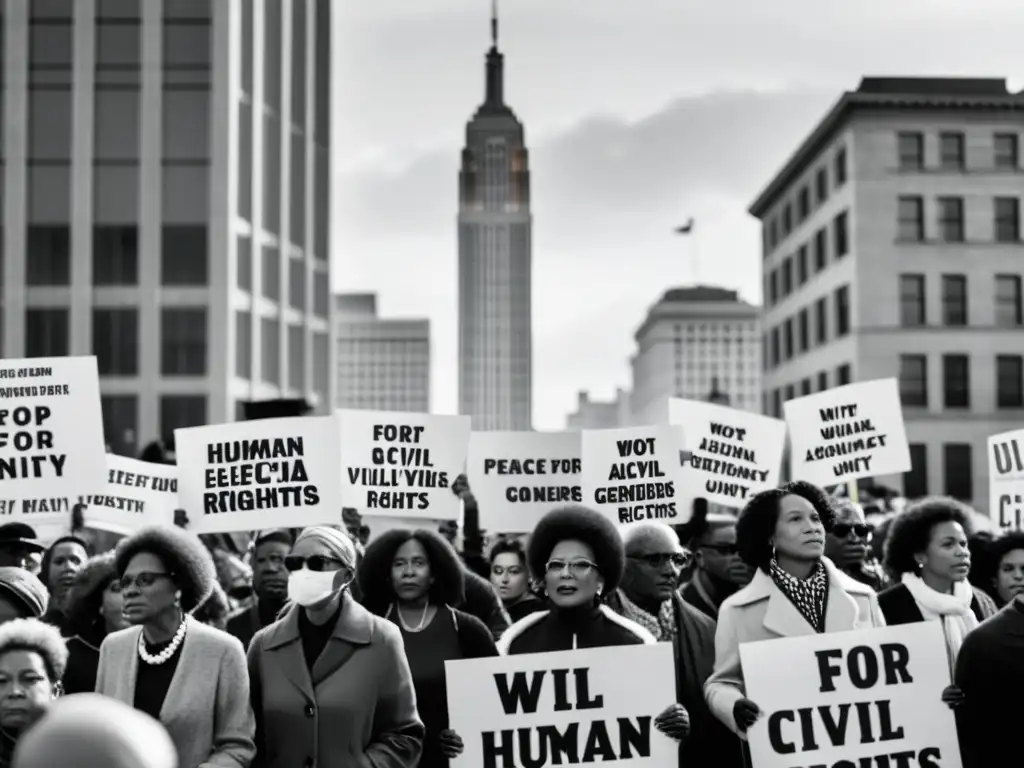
x=331 y=685
x=848 y=545
x=190 y=677
x=413 y=578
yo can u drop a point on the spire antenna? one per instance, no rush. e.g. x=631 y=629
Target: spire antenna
x=494 y=23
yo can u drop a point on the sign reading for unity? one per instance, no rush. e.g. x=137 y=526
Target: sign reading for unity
x=402 y=464
x=862 y=698
x=847 y=433
x=1006 y=479
x=589 y=707
x=517 y=477
x=269 y=473
x=51 y=437
x=138 y=493
x=635 y=474
x=732 y=454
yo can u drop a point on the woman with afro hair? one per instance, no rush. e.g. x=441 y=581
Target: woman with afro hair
x=190 y=677
x=413 y=578
x=94 y=611
x=580 y=556
x=795 y=591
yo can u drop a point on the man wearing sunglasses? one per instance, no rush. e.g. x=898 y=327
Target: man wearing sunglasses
x=848 y=546
x=718 y=570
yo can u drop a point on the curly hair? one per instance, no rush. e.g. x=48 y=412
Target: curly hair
x=504 y=545
x=215 y=610
x=36 y=636
x=44 y=565
x=86 y=594
x=374 y=570
x=757 y=520
x=579 y=524
x=911 y=530
x=186 y=559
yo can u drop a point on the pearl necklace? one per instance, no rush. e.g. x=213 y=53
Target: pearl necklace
x=418 y=627
x=166 y=653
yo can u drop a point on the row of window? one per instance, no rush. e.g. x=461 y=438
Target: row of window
x=956 y=381
x=910 y=148
x=951 y=215
x=1009 y=312
x=807 y=329
x=957 y=472
x=772 y=402
x=270 y=351
x=121 y=418
x=269 y=264
x=796 y=270
x=780 y=227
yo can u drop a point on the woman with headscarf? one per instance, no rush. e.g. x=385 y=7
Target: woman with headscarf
x=795 y=591
x=510 y=576
x=190 y=677
x=414 y=578
x=331 y=686
x=92 y=731
x=94 y=611
x=62 y=561
x=32 y=662
x=581 y=556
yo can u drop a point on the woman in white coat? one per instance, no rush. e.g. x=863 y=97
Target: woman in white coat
x=795 y=591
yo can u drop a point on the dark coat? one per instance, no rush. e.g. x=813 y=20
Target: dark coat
x=83 y=663
x=483 y=602
x=245 y=625
x=899 y=607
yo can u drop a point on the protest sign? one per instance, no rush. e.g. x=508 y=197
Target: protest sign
x=870 y=697
x=848 y=432
x=138 y=493
x=51 y=437
x=634 y=474
x=517 y=477
x=733 y=454
x=564 y=708
x=402 y=464
x=270 y=473
x=1006 y=480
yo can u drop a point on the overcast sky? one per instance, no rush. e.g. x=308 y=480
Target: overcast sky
x=639 y=114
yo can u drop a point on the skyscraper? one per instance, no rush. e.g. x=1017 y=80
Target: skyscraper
x=166 y=202
x=495 y=330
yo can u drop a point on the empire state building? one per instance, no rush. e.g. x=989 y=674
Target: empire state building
x=495 y=327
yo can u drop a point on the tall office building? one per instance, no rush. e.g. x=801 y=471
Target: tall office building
x=166 y=201
x=383 y=363
x=892 y=248
x=699 y=343
x=495 y=329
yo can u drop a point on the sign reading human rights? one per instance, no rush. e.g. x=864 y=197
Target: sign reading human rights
x=733 y=454
x=576 y=708
x=51 y=437
x=268 y=473
x=1006 y=480
x=138 y=493
x=847 y=433
x=402 y=464
x=517 y=477
x=861 y=698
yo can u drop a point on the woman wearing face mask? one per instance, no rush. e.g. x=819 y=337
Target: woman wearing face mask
x=189 y=676
x=511 y=578
x=61 y=563
x=32 y=662
x=331 y=686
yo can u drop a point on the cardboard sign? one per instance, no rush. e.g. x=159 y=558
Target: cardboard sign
x=517 y=477
x=1006 y=480
x=402 y=464
x=733 y=454
x=852 y=698
x=138 y=493
x=249 y=475
x=51 y=437
x=564 y=708
x=847 y=433
x=635 y=474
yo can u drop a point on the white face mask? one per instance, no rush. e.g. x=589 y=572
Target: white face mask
x=308 y=587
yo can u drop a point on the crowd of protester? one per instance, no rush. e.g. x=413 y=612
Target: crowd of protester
x=326 y=647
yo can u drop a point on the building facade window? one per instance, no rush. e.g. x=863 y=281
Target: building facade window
x=121 y=423
x=802 y=265
x=775 y=347
x=951 y=219
x=181 y=412
x=48 y=255
x=821 y=185
x=841 y=234
x=913 y=309
x=910 y=150
x=184 y=257
x=115 y=255
x=243 y=263
x=822 y=381
x=297 y=284
x=820 y=250
x=1006 y=151
x=821 y=320
x=956 y=381
x=787 y=220
x=954 y=300
x=243 y=345
x=270 y=347
x=840 y=166
x=183 y=332
x=958 y=471
x=115 y=340
x=915 y=482
x=787 y=276
x=321 y=365
x=296 y=358
x=1009 y=309
x=47 y=332
x=844 y=375
x=271 y=270
x=803 y=203
x=842 y=311
x=803 y=331
x=910 y=223
x=805 y=387
x=321 y=294
x=914 y=381
x=951 y=151
x=1009 y=381
x=773 y=287
x=787 y=339
x=1007 y=219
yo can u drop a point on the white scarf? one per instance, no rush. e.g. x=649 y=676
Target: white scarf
x=954 y=611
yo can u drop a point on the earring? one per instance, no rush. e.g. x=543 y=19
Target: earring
x=600 y=590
